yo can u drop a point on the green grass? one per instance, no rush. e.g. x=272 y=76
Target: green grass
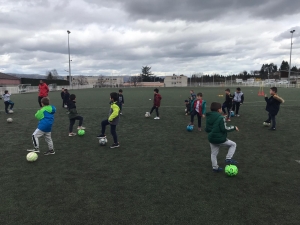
x=161 y=174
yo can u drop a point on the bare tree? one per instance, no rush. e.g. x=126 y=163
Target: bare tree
x=135 y=80
x=101 y=81
x=80 y=80
x=51 y=74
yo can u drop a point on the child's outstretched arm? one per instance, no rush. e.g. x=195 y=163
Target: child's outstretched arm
x=224 y=128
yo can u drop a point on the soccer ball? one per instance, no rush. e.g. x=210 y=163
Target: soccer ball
x=266 y=124
x=231 y=113
x=147 y=114
x=10 y=111
x=81 y=132
x=231 y=170
x=189 y=128
x=9 y=120
x=103 y=141
x=185 y=110
x=31 y=157
x=65 y=106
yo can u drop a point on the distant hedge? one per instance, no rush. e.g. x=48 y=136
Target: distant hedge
x=35 y=82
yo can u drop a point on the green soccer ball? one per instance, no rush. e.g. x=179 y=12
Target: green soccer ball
x=231 y=170
x=81 y=132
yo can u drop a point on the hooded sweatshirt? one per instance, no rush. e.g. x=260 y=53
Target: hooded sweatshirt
x=157 y=99
x=216 y=128
x=273 y=104
x=43 y=90
x=46 y=117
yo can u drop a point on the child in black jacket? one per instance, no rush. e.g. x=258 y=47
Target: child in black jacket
x=66 y=97
x=273 y=106
x=227 y=104
x=62 y=94
x=121 y=100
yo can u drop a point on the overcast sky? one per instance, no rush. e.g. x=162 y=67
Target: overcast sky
x=171 y=36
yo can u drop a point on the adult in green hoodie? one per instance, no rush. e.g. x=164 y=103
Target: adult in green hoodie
x=217 y=135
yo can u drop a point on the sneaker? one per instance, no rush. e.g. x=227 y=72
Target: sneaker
x=228 y=119
x=230 y=161
x=49 y=152
x=237 y=115
x=191 y=124
x=273 y=129
x=199 y=129
x=267 y=121
x=72 y=134
x=114 y=145
x=80 y=128
x=33 y=150
x=218 y=170
x=101 y=136
x=121 y=113
x=157 y=118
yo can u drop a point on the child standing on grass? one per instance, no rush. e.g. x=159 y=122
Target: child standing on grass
x=73 y=116
x=46 y=119
x=199 y=109
x=217 y=135
x=238 y=99
x=227 y=104
x=187 y=107
x=62 y=94
x=156 y=103
x=193 y=95
x=113 y=120
x=121 y=100
x=66 y=97
x=273 y=106
x=7 y=101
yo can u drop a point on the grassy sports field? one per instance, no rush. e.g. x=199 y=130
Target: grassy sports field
x=161 y=174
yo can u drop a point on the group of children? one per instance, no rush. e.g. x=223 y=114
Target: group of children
x=216 y=126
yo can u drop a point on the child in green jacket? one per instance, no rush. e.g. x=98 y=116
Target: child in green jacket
x=217 y=135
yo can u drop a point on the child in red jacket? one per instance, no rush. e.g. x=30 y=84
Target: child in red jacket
x=156 y=105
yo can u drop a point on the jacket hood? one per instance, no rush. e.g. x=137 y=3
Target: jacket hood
x=211 y=117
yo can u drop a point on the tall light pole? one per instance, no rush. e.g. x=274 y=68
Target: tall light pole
x=70 y=79
x=292 y=32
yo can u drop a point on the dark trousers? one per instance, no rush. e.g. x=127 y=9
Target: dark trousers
x=39 y=100
x=63 y=103
x=228 y=107
x=156 y=108
x=273 y=119
x=72 y=122
x=7 y=104
x=193 y=114
x=120 y=105
x=237 y=106
x=113 y=129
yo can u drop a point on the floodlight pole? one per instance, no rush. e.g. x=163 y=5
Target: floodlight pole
x=70 y=79
x=292 y=32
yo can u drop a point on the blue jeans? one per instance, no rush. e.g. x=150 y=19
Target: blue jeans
x=113 y=128
x=228 y=107
x=7 y=104
x=193 y=114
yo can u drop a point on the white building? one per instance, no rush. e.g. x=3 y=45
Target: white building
x=176 y=81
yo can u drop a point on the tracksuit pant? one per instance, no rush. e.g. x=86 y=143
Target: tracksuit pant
x=37 y=134
x=156 y=109
x=215 y=151
x=272 y=119
x=237 y=106
x=113 y=129
x=193 y=114
x=72 y=122
x=7 y=104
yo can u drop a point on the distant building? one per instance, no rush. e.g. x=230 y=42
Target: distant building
x=8 y=80
x=176 y=81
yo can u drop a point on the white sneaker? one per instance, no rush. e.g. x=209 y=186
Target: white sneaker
x=156 y=118
x=80 y=128
x=237 y=115
x=72 y=134
x=33 y=150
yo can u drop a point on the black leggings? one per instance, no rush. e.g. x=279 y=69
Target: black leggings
x=72 y=122
x=156 y=108
x=39 y=100
x=113 y=131
x=273 y=120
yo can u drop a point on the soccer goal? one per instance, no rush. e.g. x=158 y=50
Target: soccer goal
x=23 y=88
x=52 y=87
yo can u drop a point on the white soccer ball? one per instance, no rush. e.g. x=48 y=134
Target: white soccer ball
x=103 y=141
x=266 y=124
x=185 y=110
x=147 y=114
x=65 y=106
x=9 y=120
x=149 y=99
x=10 y=111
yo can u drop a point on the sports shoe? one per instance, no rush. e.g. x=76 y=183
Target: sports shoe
x=80 y=128
x=218 y=170
x=72 y=134
x=230 y=161
x=267 y=121
x=199 y=129
x=228 y=119
x=114 y=145
x=101 y=136
x=121 y=113
x=237 y=115
x=273 y=129
x=34 y=150
x=157 y=118
x=49 y=152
